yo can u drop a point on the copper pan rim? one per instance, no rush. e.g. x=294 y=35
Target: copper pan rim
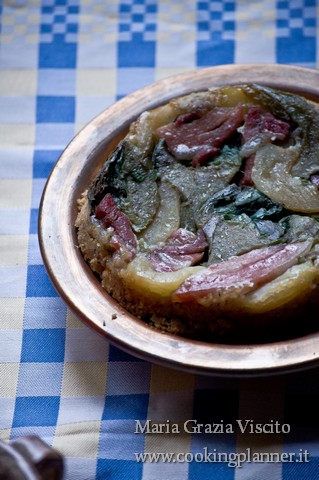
x=77 y=285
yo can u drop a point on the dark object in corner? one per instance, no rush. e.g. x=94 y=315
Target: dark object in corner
x=29 y=458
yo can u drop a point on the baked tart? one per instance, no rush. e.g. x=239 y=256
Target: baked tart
x=204 y=221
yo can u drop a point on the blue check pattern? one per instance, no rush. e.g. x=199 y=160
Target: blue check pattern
x=62 y=62
x=216 y=32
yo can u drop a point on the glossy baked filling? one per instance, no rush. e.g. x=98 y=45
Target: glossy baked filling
x=211 y=208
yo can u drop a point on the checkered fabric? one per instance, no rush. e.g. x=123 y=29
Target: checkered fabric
x=62 y=62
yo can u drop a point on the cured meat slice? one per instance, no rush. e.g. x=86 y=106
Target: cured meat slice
x=111 y=216
x=200 y=139
x=241 y=274
x=182 y=249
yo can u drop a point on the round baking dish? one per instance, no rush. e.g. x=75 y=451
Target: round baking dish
x=77 y=284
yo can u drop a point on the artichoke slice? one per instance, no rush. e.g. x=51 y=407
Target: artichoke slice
x=167 y=218
x=272 y=175
x=141 y=201
x=141 y=277
x=302 y=115
x=291 y=286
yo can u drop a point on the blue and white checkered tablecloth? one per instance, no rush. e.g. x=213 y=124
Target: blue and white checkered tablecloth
x=61 y=63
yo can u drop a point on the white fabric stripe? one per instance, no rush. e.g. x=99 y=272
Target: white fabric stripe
x=255 y=31
x=176 y=34
x=172 y=401
x=261 y=400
